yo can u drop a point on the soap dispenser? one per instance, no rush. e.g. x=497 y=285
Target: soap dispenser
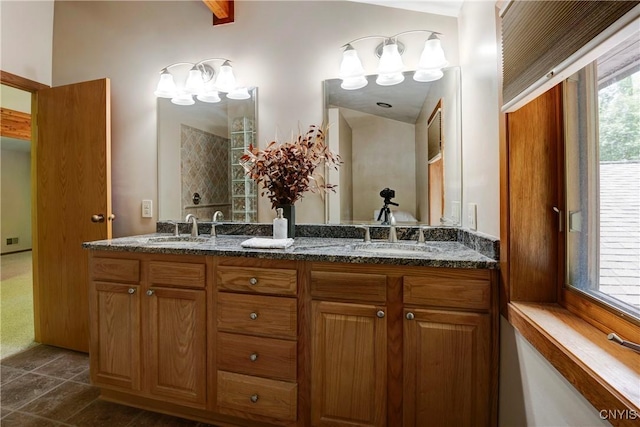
x=279 y=225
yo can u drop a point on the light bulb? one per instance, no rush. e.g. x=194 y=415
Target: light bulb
x=239 y=94
x=390 y=66
x=354 y=83
x=210 y=97
x=432 y=55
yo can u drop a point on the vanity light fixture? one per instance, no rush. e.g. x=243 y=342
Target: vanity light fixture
x=390 y=67
x=200 y=83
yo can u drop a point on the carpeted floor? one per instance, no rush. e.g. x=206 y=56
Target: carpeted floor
x=16 y=303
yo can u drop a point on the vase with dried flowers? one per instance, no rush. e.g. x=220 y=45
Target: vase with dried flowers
x=285 y=171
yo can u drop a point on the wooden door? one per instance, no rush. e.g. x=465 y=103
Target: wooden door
x=446 y=368
x=349 y=365
x=115 y=344
x=177 y=344
x=72 y=177
x=436 y=191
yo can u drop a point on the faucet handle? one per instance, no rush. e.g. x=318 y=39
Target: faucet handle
x=367 y=234
x=421 y=238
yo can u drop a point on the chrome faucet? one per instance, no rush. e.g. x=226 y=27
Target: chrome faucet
x=194 y=224
x=421 y=238
x=214 y=221
x=393 y=236
x=367 y=234
x=176 y=231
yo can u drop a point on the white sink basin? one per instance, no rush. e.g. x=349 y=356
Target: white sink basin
x=395 y=248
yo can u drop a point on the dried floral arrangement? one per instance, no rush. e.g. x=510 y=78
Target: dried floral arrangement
x=285 y=171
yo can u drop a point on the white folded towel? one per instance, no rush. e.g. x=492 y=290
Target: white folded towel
x=264 y=243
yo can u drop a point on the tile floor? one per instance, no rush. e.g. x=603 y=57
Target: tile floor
x=46 y=386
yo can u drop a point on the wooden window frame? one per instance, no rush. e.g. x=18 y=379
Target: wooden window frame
x=562 y=324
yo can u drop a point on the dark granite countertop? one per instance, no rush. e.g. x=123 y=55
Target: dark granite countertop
x=433 y=253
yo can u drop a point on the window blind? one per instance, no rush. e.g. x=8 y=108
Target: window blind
x=539 y=35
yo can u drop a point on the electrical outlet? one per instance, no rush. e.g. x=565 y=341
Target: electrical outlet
x=472 y=216
x=147 y=209
x=12 y=241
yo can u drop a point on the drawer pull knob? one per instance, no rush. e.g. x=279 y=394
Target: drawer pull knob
x=254 y=398
x=410 y=316
x=150 y=292
x=253 y=316
x=132 y=290
x=380 y=314
x=253 y=281
x=253 y=357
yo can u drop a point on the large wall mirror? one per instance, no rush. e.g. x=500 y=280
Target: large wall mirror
x=406 y=138
x=199 y=147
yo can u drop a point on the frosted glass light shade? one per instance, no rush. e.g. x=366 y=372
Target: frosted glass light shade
x=194 y=83
x=390 y=61
x=351 y=65
x=226 y=81
x=183 y=98
x=210 y=97
x=432 y=55
x=390 y=66
x=389 y=79
x=166 y=86
x=354 y=83
x=424 y=76
x=239 y=93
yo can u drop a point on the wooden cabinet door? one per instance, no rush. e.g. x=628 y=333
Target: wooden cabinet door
x=115 y=335
x=176 y=344
x=349 y=364
x=446 y=368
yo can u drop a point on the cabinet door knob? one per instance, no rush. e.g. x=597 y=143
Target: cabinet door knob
x=253 y=316
x=254 y=398
x=132 y=290
x=253 y=281
x=380 y=314
x=253 y=357
x=410 y=316
x=150 y=292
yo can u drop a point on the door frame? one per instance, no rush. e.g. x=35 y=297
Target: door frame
x=22 y=83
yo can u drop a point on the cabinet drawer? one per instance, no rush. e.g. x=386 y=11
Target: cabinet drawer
x=454 y=292
x=264 y=357
x=188 y=275
x=351 y=286
x=258 y=396
x=115 y=270
x=260 y=315
x=257 y=280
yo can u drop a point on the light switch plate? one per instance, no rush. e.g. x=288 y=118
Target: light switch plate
x=147 y=209
x=472 y=216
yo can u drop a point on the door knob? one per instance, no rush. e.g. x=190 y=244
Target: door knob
x=410 y=316
x=97 y=218
x=112 y=217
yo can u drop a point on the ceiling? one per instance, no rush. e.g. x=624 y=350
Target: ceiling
x=439 y=7
x=406 y=99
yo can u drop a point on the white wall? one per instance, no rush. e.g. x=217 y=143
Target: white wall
x=26 y=34
x=480 y=150
x=383 y=155
x=15 y=171
x=286 y=49
x=15 y=179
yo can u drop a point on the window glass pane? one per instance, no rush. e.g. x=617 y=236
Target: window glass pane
x=602 y=153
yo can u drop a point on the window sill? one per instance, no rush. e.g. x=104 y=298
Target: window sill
x=605 y=373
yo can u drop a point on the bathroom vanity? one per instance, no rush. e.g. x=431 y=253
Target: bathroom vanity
x=328 y=332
